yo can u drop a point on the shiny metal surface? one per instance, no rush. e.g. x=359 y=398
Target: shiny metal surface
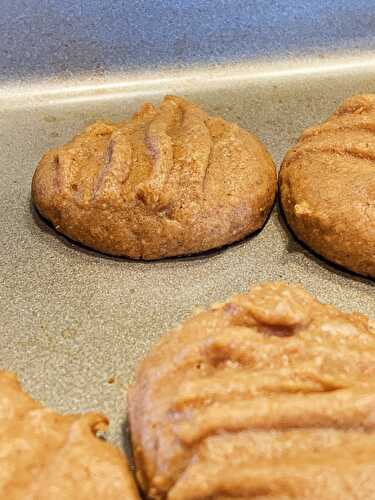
x=70 y=318
x=42 y=38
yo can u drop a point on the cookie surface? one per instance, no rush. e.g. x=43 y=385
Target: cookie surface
x=327 y=186
x=268 y=395
x=169 y=181
x=48 y=456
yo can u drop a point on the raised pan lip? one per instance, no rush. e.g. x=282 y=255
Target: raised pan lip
x=91 y=87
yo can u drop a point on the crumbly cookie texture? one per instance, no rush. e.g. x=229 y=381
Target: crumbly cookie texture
x=327 y=186
x=169 y=181
x=268 y=395
x=44 y=455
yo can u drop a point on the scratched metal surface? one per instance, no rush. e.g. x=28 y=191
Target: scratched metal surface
x=70 y=318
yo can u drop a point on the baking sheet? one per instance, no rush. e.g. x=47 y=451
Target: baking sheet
x=70 y=318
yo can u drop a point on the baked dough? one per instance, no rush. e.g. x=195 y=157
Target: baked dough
x=268 y=395
x=327 y=186
x=45 y=456
x=169 y=181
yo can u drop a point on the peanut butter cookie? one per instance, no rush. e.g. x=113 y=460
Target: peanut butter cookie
x=327 y=186
x=268 y=395
x=46 y=456
x=169 y=181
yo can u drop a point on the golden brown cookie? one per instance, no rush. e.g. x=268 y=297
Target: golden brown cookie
x=45 y=456
x=268 y=395
x=327 y=186
x=169 y=181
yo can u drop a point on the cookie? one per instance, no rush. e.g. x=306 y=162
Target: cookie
x=327 y=186
x=169 y=181
x=47 y=456
x=268 y=395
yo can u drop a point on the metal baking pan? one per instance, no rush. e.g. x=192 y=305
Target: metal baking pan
x=73 y=322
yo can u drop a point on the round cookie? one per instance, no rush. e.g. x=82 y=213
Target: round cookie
x=169 y=181
x=327 y=186
x=268 y=395
x=47 y=456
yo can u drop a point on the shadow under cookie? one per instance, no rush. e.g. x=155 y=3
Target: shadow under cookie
x=295 y=245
